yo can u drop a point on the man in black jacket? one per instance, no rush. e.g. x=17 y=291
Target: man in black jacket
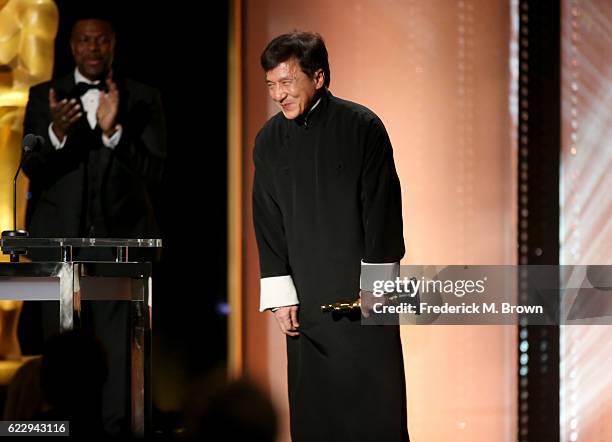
x=105 y=146
x=327 y=214
x=104 y=154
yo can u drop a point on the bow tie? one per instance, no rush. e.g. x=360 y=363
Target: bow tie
x=81 y=88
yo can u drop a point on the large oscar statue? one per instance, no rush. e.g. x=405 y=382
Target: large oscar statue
x=27 y=35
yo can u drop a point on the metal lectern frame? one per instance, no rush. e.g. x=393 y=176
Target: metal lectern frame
x=71 y=282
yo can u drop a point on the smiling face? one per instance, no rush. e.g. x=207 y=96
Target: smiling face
x=93 y=46
x=292 y=89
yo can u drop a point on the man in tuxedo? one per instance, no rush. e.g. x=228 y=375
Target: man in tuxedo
x=103 y=158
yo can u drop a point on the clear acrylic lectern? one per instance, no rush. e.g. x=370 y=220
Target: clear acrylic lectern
x=72 y=282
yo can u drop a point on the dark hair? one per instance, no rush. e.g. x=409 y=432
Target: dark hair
x=308 y=47
x=98 y=17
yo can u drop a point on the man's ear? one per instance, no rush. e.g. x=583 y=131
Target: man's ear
x=319 y=78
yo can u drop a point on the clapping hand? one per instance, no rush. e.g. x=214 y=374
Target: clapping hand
x=64 y=113
x=108 y=108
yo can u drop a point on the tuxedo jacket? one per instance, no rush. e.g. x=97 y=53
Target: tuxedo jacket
x=86 y=189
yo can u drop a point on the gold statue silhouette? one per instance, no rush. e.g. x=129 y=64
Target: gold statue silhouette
x=27 y=35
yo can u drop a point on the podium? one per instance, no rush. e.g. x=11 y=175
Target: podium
x=72 y=282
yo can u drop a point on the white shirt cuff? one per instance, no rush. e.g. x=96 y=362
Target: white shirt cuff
x=371 y=272
x=114 y=139
x=277 y=291
x=55 y=142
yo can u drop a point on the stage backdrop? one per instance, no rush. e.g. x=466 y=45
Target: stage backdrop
x=438 y=73
x=586 y=208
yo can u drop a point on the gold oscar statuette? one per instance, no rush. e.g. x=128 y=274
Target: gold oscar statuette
x=342 y=307
x=354 y=306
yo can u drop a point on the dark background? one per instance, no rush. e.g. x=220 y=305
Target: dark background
x=182 y=51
